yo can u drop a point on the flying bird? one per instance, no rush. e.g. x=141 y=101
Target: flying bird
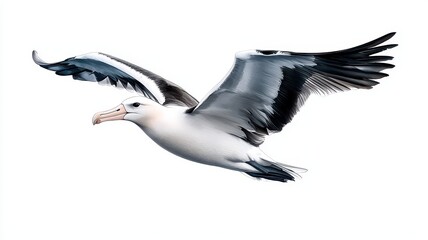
x=261 y=93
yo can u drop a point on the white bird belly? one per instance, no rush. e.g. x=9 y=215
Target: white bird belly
x=200 y=142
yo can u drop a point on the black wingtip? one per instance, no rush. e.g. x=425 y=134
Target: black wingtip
x=388 y=35
x=367 y=49
x=382 y=39
x=374 y=44
x=392 y=45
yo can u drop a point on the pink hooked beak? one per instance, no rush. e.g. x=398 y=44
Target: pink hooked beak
x=117 y=113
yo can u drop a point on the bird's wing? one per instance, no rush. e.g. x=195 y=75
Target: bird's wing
x=106 y=69
x=265 y=89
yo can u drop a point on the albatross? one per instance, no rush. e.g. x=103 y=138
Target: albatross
x=258 y=97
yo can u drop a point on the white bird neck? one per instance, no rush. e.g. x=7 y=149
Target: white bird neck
x=157 y=116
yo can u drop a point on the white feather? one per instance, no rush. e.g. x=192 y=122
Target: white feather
x=147 y=82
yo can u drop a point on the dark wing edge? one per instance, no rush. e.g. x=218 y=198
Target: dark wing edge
x=294 y=76
x=106 y=69
x=353 y=68
x=174 y=94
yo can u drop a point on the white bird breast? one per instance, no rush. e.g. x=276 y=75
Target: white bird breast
x=196 y=140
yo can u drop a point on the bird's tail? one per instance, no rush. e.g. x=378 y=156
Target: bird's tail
x=274 y=171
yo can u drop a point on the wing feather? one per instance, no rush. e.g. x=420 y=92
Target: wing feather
x=108 y=70
x=266 y=88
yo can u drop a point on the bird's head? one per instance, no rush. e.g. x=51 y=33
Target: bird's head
x=135 y=109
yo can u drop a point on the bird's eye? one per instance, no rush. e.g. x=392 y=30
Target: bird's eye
x=136 y=104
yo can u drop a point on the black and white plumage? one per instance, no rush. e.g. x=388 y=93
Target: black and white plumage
x=106 y=69
x=261 y=93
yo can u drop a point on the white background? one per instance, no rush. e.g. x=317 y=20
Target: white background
x=62 y=178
